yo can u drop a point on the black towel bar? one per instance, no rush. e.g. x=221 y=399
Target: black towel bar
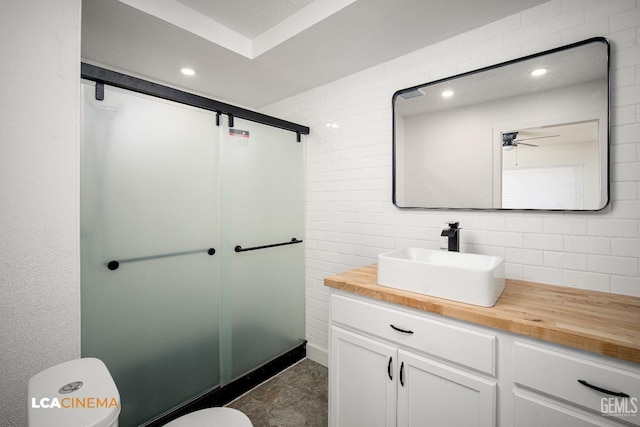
x=113 y=265
x=292 y=242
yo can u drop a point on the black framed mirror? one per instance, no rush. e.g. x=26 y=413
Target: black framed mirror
x=527 y=134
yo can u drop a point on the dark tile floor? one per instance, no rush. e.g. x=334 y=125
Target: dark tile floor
x=295 y=397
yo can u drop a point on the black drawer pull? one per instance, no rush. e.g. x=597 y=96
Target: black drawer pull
x=389 y=368
x=404 y=331
x=402 y=374
x=602 y=390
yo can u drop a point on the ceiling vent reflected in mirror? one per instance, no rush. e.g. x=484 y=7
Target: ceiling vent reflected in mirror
x=412 y=94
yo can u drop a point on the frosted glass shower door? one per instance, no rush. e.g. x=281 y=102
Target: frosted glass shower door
x=149 y=200
x=261 y=203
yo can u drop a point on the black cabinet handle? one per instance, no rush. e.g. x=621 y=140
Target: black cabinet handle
x=389 y=369
x=602 y=390
x=402 y=374
x=404 y=331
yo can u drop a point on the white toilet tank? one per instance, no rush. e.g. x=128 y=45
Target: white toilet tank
x=79 y=392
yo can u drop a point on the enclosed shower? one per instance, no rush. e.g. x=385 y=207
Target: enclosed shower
x=192 y=245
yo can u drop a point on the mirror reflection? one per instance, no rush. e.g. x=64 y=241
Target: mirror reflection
x=527 y=134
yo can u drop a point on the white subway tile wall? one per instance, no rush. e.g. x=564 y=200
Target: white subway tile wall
x=349 y=215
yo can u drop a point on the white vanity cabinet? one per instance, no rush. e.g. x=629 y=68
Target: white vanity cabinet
x=362 y=381
x=389 y=367
x=395 y=366
x=543 y=356
x=433 y=393
x=554 y=385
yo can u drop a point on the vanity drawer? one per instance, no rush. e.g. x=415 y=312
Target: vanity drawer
x=457 y=344
x=557 y=374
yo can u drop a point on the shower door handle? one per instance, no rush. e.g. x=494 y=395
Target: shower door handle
x=115 y=264
x=292 y=242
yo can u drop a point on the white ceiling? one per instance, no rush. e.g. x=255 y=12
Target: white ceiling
x=569 y=133
x=256 y=52
x=566 y=67
x=250 y=18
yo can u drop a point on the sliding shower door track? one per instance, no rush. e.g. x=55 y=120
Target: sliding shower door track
x=225 y=394
x=104 y=76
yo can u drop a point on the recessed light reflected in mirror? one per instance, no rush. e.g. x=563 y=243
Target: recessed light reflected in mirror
x=188 y=71
x=539 y=72
x=447 y=94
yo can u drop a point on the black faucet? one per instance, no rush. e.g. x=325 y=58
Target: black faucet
x=453 y=237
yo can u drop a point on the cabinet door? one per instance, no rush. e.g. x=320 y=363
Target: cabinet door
x=362 y=381
x=537 y=411
x=434 y=394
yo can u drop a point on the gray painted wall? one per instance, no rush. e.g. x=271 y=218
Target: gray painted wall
x=39 y=180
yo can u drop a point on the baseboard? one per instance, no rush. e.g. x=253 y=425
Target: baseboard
x=318 y=355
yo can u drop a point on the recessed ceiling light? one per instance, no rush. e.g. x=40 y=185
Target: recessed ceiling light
x=447 y=94
x=539 y=72
x=188 y=71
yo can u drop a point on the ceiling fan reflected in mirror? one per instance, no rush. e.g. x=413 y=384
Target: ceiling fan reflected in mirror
x=510 y=140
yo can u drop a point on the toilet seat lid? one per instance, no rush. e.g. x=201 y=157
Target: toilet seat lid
x=223 y=417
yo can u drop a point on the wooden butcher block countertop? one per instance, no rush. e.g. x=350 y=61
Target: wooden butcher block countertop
x=598 y=322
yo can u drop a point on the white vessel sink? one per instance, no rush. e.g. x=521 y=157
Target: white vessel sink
x=469 y=278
